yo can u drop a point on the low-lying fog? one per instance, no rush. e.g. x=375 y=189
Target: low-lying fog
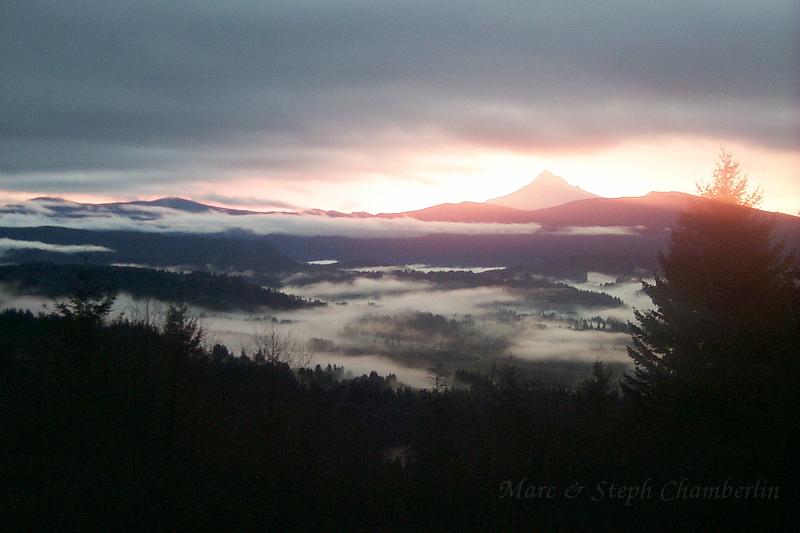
x=406 y=327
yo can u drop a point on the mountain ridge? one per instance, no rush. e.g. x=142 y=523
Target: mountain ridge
x=655 y=209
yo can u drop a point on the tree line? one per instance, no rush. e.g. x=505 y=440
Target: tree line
x=205 y=289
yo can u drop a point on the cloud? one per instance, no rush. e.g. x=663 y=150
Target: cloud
x=123 y=98
x=359 y=288
x=163 y=219
x=597 y=230
x=246 y=201
x=7 y=245
x=364 y=364
x=629 y=291
x=323 y=262
x=556 y=342
x=528 y=340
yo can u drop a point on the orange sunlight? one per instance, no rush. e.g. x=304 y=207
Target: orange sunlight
x=630 y=169
x=410 y=180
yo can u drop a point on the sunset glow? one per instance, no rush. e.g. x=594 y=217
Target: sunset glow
x=435 y=106
x=450 y=176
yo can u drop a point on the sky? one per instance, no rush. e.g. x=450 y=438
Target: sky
x=389 y=106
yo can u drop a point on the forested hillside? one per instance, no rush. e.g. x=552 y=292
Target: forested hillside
x=211 y=291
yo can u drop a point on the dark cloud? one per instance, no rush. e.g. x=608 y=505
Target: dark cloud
x=247 y=201
x=180 y=91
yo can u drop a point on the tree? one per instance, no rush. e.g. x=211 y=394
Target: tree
x=438 y=375
x=183 y=332
x=86 y=308
x=275 y=346
x=728 y=184
x=599 y=391
x=89 y=304
x=724 y=324
x=220 y=354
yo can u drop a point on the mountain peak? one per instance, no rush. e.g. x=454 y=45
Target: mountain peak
x=547 y=178
x=175 y=202
x=546 y=175
x=547 y=190
x=49 y=199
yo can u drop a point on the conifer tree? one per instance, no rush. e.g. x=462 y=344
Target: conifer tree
x=724 y=316
x=728 y=184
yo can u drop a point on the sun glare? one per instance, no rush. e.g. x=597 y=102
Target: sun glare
x=631 y=169
x=410 y=180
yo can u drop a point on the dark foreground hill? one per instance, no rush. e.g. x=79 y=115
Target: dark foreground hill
x=211 y=291
x=128 y=426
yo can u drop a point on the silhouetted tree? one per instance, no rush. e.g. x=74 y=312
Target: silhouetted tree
x=599 y=391
x=275 y=346
x=438 y=376
x=183 y=331
x=89 y=303
x=728 y=184
x=220 y=354
x=724 y=321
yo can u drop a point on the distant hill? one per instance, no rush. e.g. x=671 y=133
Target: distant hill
x=465 y=212
x=657 y=209
x=560 y=255
x=554 y=250
x=606 y=234
x=216 y=252
x=547 y=190
x=135 y=209
x=180 y=204
x=211 y=291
